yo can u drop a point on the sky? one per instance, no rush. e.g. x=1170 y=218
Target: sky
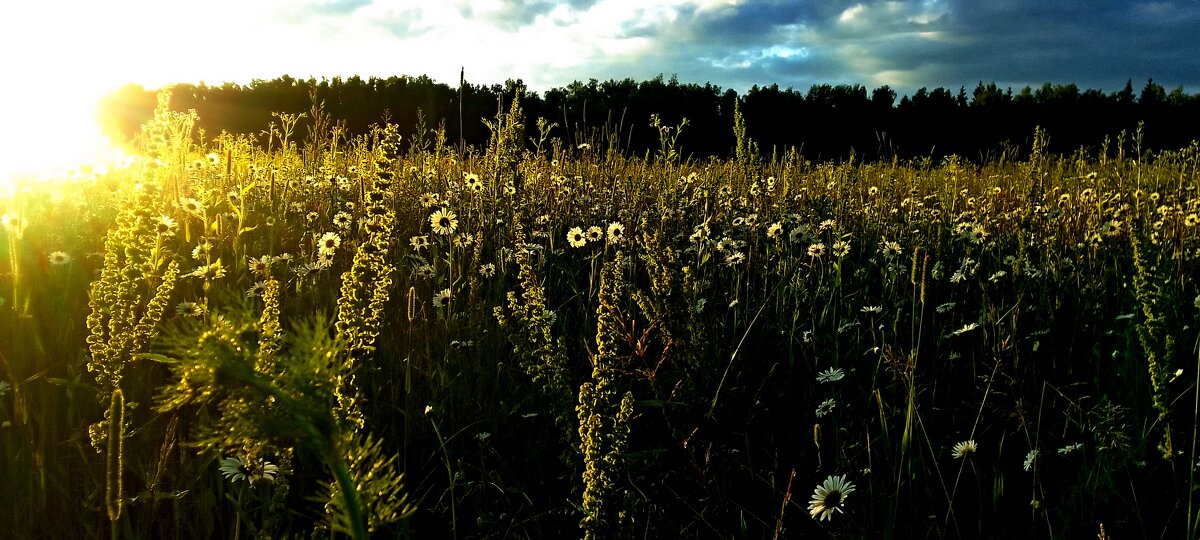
x=730 y=43
x=57 y=57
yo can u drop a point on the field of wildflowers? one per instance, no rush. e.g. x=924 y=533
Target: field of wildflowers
x=371 y=336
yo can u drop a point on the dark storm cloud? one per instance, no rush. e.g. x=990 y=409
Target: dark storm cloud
x=933 y=43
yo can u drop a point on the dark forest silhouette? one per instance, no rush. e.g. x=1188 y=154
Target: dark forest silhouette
x=826 y=122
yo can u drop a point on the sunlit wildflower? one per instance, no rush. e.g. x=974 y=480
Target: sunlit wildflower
x=425 y=271
x=472 y=182
x=201 y=251
x=826 y=407
x=775 y=230
x=735 y=258
x=441 y=299
x=419 y=242
x=487 y=270
x=429 y=199
x=1191 y=220
x=192 y=206
x=260 y=266
x=189 y=309
x=59 y=258
x=966 y=328
x=166 y=226
x=616 y=233
x=343 y=220
x=830 y=375
x=209 y=271
x=575 y=237
x=816 y=250
x=329 y=243
x=443 y=222
x=1029 y=459
x=1111 y=228
x=890 y=249
x=726 y=244
x=829 y=497
x=872 y=309
x=827 y=225
x=964 y=448
x=463 y=240
x=595 y=233
x=312 y=217
x=841 y=248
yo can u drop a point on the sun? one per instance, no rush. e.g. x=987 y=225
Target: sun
x=52 y=133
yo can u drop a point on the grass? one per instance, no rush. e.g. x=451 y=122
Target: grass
x=289 y=341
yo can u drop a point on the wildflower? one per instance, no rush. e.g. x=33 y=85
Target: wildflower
x=256 y=290
x=201 y=251
x=463 y=240
x=890 y=249
x=192 y=206
x=166 y=226
x=1196 y=302
x=816 y=250
x=59 y=258
x=775 y=230
x=312 y=216
x=726 y=244
x=616 y=233
x=419 y=242
x=966 y=328
x=1191 y=220
x=575 y=237
x=443 y=222
x=487 y=270
x=826 y=407
x=830 y=375
x=735 y=258
x=260 y=266
x=595 y=233
x=829 y=497
x=426 y=271
x=977 y=234
x=1070 y=448
x=189 y=309
x=441 y=299
x=472 y=181
x=1111 y=227
x=996 y=277
x=429 y=199
x=964 y=448
x=841 y=248
x=329 y=243
x=827 y=225
x=233 y=468
x=209 y=271
x=752 y=221
x=1029 y=458
x=342 y=220
x=871 y=309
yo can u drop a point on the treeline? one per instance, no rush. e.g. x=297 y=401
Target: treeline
x=826 y=122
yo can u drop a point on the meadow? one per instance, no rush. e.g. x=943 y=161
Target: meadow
x=317 y=335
